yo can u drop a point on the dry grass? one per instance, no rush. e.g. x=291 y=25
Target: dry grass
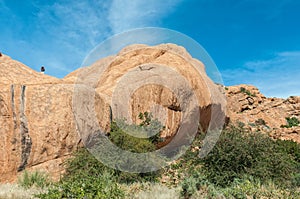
x=14 y=191
x=151 y=191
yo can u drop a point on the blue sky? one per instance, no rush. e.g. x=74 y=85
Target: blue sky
x=251 y=41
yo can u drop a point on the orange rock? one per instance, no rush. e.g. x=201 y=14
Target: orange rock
x=38 y=130
x=248 y=105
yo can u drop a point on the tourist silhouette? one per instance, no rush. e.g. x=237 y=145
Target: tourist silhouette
x=42 y=69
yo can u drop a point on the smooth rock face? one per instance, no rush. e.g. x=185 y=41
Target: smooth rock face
x=247 y=105
x=38 y=126
x=146 y=78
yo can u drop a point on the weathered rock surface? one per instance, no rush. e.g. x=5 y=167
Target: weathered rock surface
x=38 y=129
x=145 y=78
x=247 y=105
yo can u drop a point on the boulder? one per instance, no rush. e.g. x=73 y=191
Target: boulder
x=159 y=79
x=37 y=126
x=41 y=116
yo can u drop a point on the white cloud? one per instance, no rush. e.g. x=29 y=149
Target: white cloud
x=64 y=32
x=87 y=23
x=278 y=76
x=124 y=15
x=75 y=21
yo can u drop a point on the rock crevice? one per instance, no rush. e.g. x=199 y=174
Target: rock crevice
x=26 y=141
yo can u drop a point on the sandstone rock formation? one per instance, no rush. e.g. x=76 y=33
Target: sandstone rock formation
x=39 y=127
x=146 y=79
x=247 y=105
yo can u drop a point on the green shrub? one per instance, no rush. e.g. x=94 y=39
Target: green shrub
x=244 y=90
x=290 y=147
x=86 y=177
x=241 y=188
x=238 y=153
x=128 y=142
x=149 y=127
x=192 y=184
x=291 y=121
x=86 y=186
x=35 y=178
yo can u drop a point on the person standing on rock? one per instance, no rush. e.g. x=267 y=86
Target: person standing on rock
x=42 y=69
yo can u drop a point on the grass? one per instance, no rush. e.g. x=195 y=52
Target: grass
x=35 y=178
x=151 y=191
x=244 y=189
x=15 y=191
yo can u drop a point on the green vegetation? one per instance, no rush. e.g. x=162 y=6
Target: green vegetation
x=239 y=153
x=291 y=121
x=36 y=178
x=148 y=126
x=244 y=90
x=128 y=142
x=242 y=164
x=86 y=177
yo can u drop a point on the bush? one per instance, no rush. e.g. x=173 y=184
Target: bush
x=291 y=121
x=238 y=153
x=128 y=142
x=102 y=186
x=290 y=147
x=244 y=90
x=192 y=184
x=149 y=127
x=86 y=177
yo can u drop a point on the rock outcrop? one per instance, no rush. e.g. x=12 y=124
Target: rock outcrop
x=39 y=127
x=247 y=106
x=152 y=79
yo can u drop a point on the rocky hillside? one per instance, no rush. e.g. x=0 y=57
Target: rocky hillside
x=39 y=128
x=247 y=106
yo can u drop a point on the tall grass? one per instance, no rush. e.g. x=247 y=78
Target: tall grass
x=35 y=178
